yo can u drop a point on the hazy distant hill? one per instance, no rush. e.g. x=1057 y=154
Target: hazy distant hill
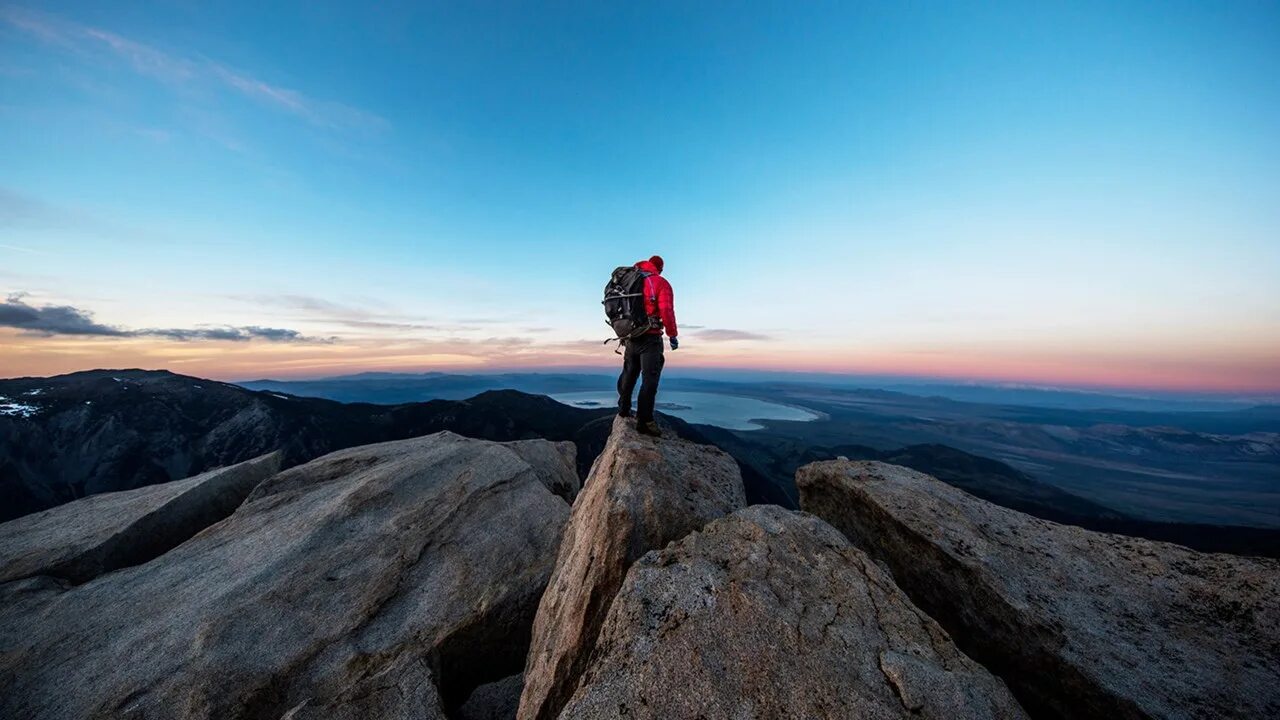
x=1221 y=414
x=394 y=388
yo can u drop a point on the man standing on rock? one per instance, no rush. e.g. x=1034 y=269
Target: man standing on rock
x=643 y=356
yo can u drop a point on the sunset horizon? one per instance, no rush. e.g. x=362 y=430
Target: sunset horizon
x=996 y=194
x=1078 y=378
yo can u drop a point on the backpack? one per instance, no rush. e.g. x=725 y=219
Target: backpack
x=624 y=304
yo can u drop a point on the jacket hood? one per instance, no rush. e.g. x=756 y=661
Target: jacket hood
x=648 y=267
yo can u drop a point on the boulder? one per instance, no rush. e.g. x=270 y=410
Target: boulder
x=549 y=460
x=770 y=613
x=641 y=494
x=497 y=700
x=86 y=538
x=382 y=581
x=1079 y=623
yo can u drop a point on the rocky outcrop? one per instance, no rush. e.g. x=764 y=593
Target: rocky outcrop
x=84 y=539
x=770 y=613
x=641 y=494
x=383 y=581
x=1079 y=623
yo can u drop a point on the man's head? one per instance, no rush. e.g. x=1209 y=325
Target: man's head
x=657 y=262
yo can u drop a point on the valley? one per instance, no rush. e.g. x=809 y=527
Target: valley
x=1153 y=459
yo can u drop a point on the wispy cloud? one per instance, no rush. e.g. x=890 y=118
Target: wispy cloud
x=22 y=211
x=144 y=59
x=358 y=317
x=155 y=135
x=280 y=97
x=19 y=248
x=16 y=208
x=720 y=334
x=51 y=320
x=396 y=326
x=318 y=112
x=175 y=69
x=33 y=24
x=307 y=303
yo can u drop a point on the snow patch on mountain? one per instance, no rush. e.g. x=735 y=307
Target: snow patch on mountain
x=17 y=409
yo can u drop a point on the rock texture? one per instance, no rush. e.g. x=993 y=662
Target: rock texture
x=641 y=494
x=1079 y=623
x=84 y=539
x=497 y=700
x=549 y=461
x=770 y=613
x=383 y=581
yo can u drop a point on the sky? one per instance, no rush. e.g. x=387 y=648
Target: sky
x=1064 y=194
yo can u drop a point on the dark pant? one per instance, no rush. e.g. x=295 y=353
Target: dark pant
x=642 y=357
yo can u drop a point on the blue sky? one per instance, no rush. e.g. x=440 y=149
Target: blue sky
x=1080 y=194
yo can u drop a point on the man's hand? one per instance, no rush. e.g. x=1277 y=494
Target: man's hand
x=675 y=343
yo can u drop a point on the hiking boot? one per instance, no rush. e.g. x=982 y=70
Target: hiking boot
x=624 y=413
x=649 y=428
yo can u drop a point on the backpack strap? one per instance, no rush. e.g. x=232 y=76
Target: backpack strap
x=654 y=296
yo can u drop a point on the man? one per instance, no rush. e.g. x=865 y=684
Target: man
x=643 y=356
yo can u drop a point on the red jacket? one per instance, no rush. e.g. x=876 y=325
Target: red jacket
x=658 y=299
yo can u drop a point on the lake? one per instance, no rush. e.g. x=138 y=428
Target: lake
x=727 y=411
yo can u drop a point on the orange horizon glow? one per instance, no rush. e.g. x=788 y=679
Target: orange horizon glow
x=1239 y=373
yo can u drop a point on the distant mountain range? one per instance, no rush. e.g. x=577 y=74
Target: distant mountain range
x=393 y=387
x=68 y=436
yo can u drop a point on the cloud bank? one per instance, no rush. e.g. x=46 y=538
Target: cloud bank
x=721 y=334
x=50 y=320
